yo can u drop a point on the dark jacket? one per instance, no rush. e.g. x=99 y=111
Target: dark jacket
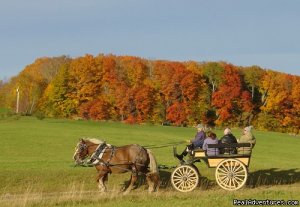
x=228 y=139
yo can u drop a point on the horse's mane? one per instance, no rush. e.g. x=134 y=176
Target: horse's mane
x=94 y=140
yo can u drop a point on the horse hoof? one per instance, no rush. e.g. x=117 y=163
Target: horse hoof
x=126 y=192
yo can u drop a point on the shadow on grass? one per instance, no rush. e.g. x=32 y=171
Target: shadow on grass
x=273 y=176
x=165 y=177
x=266 y=177
x=165 y=181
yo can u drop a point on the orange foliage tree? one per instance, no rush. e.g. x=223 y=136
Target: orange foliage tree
x=98 y=109
x=227 y=98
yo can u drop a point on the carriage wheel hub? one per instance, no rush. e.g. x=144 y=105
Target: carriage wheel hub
x=231 y=174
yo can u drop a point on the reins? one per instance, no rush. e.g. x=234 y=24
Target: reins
x=153 y=146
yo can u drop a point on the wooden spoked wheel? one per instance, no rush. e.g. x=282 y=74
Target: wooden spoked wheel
x=185 y=178
x=231 y=174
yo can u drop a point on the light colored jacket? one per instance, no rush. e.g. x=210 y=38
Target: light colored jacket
x=246 y=138
x=210 y=151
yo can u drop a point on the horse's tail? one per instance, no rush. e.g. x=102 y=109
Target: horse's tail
x=153 y=177
x=153 y=163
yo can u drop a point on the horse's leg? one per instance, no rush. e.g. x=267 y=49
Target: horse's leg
x=134 y=176
x=153 y=181
x=102 y=177
x=150 y=184
x=131 y=183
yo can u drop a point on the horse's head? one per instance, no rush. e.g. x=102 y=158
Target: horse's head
x=81 y=152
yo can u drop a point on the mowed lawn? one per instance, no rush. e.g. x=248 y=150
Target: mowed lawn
x=36 y=165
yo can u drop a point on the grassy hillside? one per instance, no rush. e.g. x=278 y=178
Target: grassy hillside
x=37 y=167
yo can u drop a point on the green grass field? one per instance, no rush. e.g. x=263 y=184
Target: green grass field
x=36 y=166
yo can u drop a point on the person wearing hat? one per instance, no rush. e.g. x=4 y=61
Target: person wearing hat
x=194 y=143
x=247 y=137
x=228 y=138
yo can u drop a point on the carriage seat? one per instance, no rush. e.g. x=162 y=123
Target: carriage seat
x=242 y=149
x=199 y=152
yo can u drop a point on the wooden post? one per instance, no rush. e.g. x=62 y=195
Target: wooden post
x=18 y=98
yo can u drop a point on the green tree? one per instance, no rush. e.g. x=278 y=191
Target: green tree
x=56 y=101
x=252 y=76
x=213 y=71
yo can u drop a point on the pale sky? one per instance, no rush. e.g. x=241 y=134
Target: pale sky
x=257 y=32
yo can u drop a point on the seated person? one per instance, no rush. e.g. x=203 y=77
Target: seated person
x=211 y=139
x=247 y=137
x=228 y=138
x=194 y=143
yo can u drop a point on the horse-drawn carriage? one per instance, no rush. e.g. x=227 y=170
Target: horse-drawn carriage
x=231 y=169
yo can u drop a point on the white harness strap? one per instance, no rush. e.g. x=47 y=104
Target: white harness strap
x=101 y=154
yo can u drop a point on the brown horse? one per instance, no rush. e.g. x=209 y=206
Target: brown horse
x=130 y=158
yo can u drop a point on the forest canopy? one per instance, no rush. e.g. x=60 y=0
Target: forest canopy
x=137 y=90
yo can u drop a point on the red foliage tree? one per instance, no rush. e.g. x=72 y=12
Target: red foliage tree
x=226 y=98
x=98 y=109
x=145 y=102
x=177 y=113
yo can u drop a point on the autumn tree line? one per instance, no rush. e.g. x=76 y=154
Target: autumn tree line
x=137 y=90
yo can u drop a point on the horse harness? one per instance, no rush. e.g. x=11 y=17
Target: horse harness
x=98 y=154
x=96 y=159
